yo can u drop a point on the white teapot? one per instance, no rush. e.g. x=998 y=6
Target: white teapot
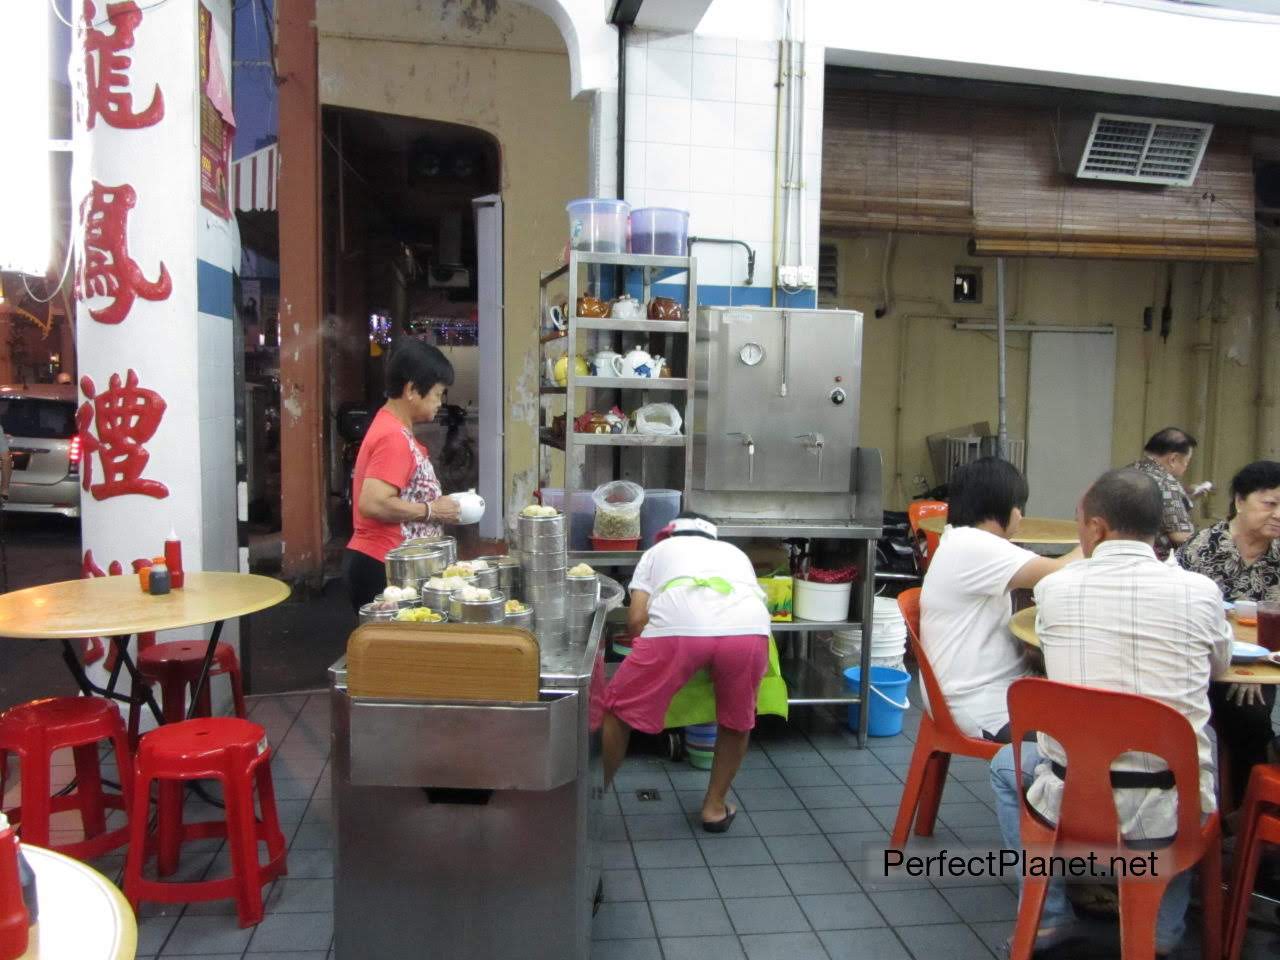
x=638 y=363
x=606 y=363
x=470 y=506
x=626 y=307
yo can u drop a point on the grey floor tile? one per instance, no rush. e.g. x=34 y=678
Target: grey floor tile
x=293 y=789
x=886 y=816
x=788 y=759
x=626 y=950
x=750 y=881
x=806 y=878
x=960 y=815
x=881 y=944
x=825 y=798
x=953 y=940
x=660 y=854
x=758 y=779
x=803 y=849
x=680 y=883
x=970 y=768
x=735 y=851
x=995 y=933
x=632 y=805
x=855 y=819
x=879 y=794
x=294 y=895
x=762 y=800
x=982 y=904
x=633 y=778
x=897 y=753
x=622 y=885
x=904 y=908
x=756 y=760
x=238 y=956
x=612 y=829
x=310 y=864
x=840 y=911
x=690 y=779
x=855 y=757
x=743 y=825
x=663 y=826
x=866 y=775
x=617 y=855
x=702 y=948
x=783 y=823
x=766 y=915
x=820 y=775
x=691 y=918
x=292 y=931
x=153 y=931
x=784 y=946
x=287 y=955
x=622 y=921
x=289 y=811
x=197 y=935
x=312 y=836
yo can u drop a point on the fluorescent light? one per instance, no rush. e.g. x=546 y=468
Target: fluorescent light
x=26 y=233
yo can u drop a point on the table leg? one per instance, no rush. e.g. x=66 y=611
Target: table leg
x=140 y=694
x=204 y=669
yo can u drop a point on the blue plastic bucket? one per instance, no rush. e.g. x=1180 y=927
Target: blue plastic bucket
x=888 y=699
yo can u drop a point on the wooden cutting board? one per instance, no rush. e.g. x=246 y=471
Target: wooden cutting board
x=420 y=661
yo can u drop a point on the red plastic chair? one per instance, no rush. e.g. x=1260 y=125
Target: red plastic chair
x=227 y=749
x=917 y=511
x=937 y=739
x=1259 y=825
x=1094 y=727
x=34 y=731
x=175 y=665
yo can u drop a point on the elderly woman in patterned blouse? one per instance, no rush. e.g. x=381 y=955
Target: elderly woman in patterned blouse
x=1242 y=556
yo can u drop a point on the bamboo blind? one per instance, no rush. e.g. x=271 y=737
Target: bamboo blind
x=931 y=165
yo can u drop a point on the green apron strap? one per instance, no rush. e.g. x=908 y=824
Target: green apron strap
x=719 y=584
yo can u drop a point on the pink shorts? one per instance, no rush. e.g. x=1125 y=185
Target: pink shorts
x=658 y=667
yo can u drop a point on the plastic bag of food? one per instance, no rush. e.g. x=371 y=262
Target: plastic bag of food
x=658 y=420
x=617 y=510
x=779 y=597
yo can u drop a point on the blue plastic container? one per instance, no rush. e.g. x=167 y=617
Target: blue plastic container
x=888 y=700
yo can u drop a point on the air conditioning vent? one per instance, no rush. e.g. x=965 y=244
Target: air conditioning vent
x=828 y=274
x=1144 y=150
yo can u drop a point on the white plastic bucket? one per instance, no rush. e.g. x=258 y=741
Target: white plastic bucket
x=824 y=602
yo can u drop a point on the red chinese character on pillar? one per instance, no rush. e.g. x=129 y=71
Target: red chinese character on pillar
x=107 y=93
x=105 y=268
x=125 y=416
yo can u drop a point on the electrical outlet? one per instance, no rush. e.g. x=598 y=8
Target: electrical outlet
x=788 y=276
x=808 y=277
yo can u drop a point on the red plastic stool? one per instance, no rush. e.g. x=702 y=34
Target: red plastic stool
x=175 y=665
x=34 y=731
x=227 y=749
x=1259 y=825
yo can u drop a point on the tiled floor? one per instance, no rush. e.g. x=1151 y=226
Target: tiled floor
x=786 y=882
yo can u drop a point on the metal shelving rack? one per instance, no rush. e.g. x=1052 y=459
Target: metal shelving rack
x=649 y=268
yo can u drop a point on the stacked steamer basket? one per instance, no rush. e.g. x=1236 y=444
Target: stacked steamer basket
x=413 y=563
x=508 y=575
x=583 y=595
x=544 y=564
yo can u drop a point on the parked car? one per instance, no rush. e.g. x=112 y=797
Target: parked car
x=40 y=423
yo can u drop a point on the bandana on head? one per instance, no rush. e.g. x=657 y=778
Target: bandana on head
x=687 y=525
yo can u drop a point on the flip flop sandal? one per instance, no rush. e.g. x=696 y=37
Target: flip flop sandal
x=721 y=825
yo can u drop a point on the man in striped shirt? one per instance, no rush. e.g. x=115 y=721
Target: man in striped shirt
x=1122 y=620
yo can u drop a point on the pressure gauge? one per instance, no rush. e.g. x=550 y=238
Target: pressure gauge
x=751 y=353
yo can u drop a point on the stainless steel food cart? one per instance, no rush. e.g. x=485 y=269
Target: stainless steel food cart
x=467 y=829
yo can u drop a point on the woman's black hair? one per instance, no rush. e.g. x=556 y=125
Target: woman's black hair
x=417 y=363
x=692 y=515
x=987 y=489
x=1259 y=475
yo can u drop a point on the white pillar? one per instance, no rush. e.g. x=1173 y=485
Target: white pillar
x=155 y=252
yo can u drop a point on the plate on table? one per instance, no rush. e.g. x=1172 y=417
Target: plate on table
x=1247 y=652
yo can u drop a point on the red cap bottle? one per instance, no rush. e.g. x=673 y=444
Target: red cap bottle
x=173 y=559
x=15 y=922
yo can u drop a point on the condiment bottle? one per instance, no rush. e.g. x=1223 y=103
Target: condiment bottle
x=144 y=578
x=173 y=559
x=15 y=921
x=160 y=582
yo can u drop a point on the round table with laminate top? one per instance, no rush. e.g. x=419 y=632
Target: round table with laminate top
x=83 y=915
x=1023 y=626
x=1031 y=530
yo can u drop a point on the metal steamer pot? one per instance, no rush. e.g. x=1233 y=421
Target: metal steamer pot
x=508 y=568
x=477 y=611
x=409 y=564
x=448 y=544
x=523 y=619
x=439 y=599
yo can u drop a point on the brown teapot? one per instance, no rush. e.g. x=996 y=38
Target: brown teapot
x=592 y=307
x=665 y=308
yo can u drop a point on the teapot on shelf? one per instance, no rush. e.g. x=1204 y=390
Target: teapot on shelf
x=558 y=370
x=606 y=363
x=626 y=307
x=639 y=363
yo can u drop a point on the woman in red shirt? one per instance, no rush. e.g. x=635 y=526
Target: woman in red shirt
x=397 y=496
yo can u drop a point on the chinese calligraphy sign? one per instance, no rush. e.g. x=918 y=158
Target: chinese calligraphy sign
x=105 y=268
x=125 y=417
x=106 y=80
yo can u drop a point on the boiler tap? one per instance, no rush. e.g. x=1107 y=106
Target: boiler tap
x=814 y=441
x=750 y=444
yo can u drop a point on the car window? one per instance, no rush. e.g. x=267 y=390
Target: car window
x=37 y=418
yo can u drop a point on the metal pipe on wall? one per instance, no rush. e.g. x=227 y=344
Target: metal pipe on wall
x=1002 y=398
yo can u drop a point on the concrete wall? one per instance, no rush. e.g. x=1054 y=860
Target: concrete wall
x=508 y=74
x=949 y=377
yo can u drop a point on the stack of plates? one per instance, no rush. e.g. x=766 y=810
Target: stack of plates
x=544 y=564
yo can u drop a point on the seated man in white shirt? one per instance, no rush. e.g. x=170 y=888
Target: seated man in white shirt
x=965 y=604
x=1122 y=620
